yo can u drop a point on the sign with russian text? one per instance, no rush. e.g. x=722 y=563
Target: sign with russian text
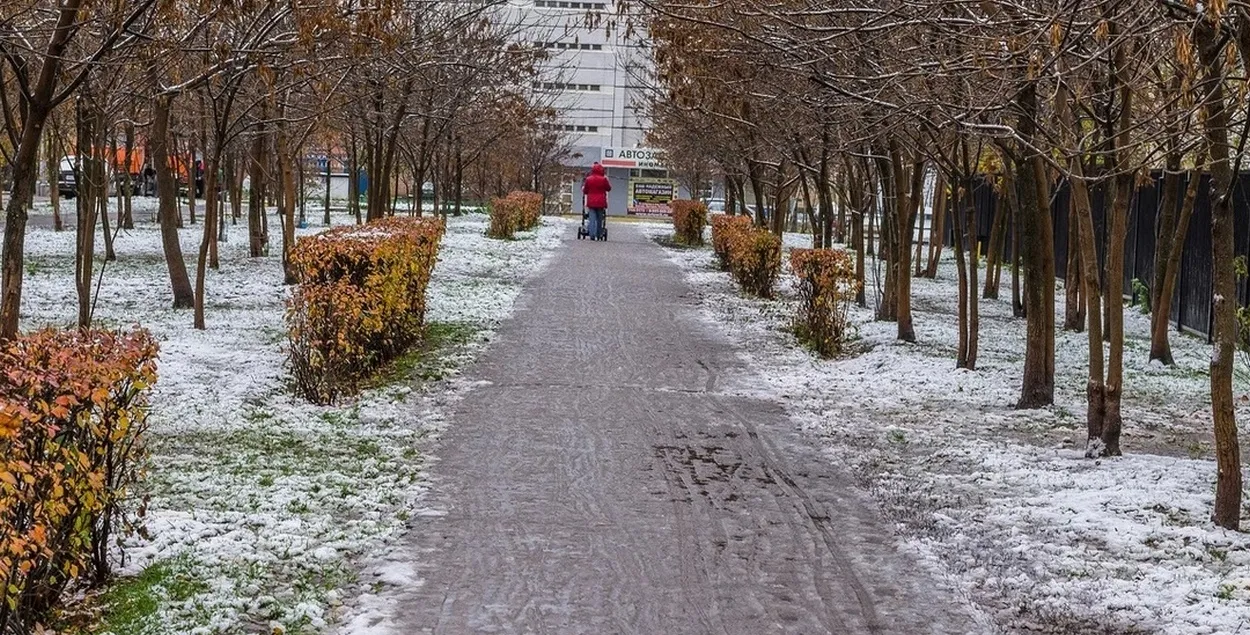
x=632 y=158
x=651 y=197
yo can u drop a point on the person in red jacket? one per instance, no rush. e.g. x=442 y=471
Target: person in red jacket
x=596 y=188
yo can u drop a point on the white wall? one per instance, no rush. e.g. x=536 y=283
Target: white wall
x=600 y=117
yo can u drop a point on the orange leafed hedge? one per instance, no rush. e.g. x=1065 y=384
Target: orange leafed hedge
x=73 y=413
x=518 y=211
x=360 y=302
x=826 y=287
x=689 y=219
x=754 y=259
x=724 y=225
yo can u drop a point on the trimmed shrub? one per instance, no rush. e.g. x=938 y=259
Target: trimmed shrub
x=689 y=219
x=518 y=211
x=73 y=414
x=360 y=302
x=723 y=226
x=530 y=210
x=827 y=285
x=755 y=260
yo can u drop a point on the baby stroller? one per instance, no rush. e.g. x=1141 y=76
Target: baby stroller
x=584 y=230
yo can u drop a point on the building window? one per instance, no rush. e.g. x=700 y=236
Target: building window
x=569 y=46
x=648 y=174
x=562 y=4
x=564 y=86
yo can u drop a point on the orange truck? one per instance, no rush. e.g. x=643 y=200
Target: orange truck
x=119 y=167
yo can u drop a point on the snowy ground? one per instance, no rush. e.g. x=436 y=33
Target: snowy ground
x=1003 y=500
x=263 y=507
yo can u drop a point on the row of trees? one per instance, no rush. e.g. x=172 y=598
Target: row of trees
x=850 y=106
x=403 y=91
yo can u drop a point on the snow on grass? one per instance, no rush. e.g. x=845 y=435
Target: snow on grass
x=1004 y=499
x=263 y=505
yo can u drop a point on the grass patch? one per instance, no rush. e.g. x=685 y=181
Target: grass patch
x=131 y=606
x=428 y=361
x=671 y=242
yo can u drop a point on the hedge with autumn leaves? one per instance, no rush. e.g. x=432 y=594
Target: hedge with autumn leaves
x=73 y=414
x=826 y=286
x=751 y=254
x=689 y=219
x=518 y=211
x=723 y=226
x=360 y=301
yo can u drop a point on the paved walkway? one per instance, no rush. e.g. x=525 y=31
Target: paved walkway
x=598 y=483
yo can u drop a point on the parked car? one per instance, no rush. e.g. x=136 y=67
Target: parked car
x=67 y=177
x=716 y=205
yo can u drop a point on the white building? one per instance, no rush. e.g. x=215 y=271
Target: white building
x=596 y=77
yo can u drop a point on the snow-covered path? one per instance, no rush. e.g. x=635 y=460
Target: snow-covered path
x=597 y=479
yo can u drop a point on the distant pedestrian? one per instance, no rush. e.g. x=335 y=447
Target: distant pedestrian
x=596 y=188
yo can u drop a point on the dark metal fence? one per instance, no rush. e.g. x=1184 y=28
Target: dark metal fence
x=1191 y=303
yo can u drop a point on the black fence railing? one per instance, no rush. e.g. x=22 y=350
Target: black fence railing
x=1191 y=302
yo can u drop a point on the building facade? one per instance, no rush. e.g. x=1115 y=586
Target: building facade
x=596 y=78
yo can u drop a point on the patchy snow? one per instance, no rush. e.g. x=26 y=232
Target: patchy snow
x=266 y=507
x=1044 y=539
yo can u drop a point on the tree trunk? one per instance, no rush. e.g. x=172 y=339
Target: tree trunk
x=102 y=195
x=998 y=232
x=937 y=234
x=907 y=205
x=1037 y=252
x=887 y=310
x=180 y=282
x=257 y=237
x=235 y=185
x=87 y=200
x=962 y=191
x=300 y=186
x=974 y=308
x=1095 y=387
x=825 y=201
x=918 y=257
x=1112 y=420
x=1160 y=344
x=126 y=213
x=1227 y=509
x=855 y=193
x=287 y=173
x=757 y=189
x=1074 y=304
x=329 y=154
x=191 y=173
x=53 y=161
x=207 y=240
x=1081 y=214
x=26 y=168
x=1125 y=183
x=807 y=207
x=459 y=177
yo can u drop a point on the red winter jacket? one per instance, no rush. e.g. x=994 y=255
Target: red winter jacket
x=596 y=188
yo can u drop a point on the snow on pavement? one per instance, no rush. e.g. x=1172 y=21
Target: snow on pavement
x=263 y=507
x=1004 y=499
